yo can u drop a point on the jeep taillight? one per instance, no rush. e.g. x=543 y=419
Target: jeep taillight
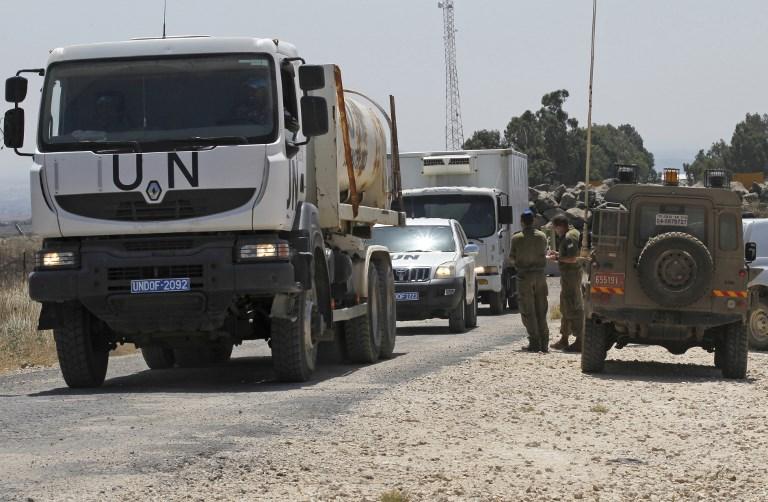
x=742 y=273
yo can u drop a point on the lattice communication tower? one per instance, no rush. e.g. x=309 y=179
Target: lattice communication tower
x=454 y=130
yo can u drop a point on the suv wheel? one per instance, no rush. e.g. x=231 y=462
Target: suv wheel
x=457 y=322
x=593 y=347
x=734 y=349
x=471 y=313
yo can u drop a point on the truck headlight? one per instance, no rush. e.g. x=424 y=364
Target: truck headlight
x=56 y=259
x=279 y=250
x=486 y=270
x=445 y=271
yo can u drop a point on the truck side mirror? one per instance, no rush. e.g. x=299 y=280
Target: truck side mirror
x=471 y=250
x=13 y=128
x=15 y=89
x=750 y=252
x=506 y=215
x=311 y=77
x=314 y=116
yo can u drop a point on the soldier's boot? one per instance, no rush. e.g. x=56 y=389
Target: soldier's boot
x=575 y=346
x=560 y=344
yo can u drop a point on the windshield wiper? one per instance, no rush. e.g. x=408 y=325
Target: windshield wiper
x=202 y=142
x=111 y=146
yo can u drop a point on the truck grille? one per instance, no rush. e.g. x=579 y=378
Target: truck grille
x=158 y=245
x=177 y=205
x=166 y=272
x=419 y=274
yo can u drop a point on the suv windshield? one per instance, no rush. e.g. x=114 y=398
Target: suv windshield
x=476 y=213
x=656 y=219
x=414 y=239
x=143 y=103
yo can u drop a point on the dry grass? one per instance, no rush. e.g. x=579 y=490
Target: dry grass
x=395 y=496
x=21 y=345
x=555 y=313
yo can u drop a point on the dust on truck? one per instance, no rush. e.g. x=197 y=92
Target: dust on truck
x=484 y=190
x=194 y=193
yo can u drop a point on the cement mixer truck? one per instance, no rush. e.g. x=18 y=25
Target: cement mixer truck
x=197 y=192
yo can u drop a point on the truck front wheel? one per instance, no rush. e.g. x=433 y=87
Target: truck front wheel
x=498 y=301
x=82 y=348
x=293 y=341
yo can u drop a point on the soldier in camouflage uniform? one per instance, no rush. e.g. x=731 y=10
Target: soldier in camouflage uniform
x=567 y=244
x=529 y=249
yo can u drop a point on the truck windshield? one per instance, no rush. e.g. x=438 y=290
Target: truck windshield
x=476 y=213
x=414 y=239
x=159 y=103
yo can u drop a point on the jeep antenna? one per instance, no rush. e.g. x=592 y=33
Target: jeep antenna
x=584 y=235
x=165 y=10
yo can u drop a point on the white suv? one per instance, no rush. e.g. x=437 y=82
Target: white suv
x=434 y=267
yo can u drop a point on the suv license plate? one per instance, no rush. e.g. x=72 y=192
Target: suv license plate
x=144 y=286
x=407 y=297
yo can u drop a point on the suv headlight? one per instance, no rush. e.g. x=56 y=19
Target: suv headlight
x=50 y=260
x=255 y=251
x=445 y=271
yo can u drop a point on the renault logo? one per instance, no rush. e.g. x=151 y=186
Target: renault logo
x=154 y=191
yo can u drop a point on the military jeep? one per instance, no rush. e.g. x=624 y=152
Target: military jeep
x=668 y=267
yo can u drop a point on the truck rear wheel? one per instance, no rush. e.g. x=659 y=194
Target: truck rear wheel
x=735 y=351
x=593 y=347
x=158 y=358
x=498 y=301
x=363 y=335
x=82 y=349
x=389 y=323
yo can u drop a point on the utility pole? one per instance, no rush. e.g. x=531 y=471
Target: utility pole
x=454 y=130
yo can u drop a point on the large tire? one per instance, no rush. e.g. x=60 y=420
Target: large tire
x=735 y=351
x=158 y=358
x=457 y=321
x=389 y=322
x=594 y=347
x=294 y=351
x=758 y=327
x=363 y=334
x=498 y=301
x=471 y=313
x=83 y=352
x=675 y=269
x=221 y=353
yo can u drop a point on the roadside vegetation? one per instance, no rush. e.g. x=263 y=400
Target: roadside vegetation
x=21 y=344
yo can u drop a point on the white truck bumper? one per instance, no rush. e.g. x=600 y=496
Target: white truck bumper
x=489 y=283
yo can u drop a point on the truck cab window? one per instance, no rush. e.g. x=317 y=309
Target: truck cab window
x=290 y=103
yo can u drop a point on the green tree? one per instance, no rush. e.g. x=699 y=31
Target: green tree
x=484 y=139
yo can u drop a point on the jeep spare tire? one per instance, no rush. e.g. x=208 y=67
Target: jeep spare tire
x=675 y=269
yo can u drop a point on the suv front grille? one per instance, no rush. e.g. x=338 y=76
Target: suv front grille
x=419 y=274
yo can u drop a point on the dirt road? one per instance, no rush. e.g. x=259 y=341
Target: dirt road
x=453 y=417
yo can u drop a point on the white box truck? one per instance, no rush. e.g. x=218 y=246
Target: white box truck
x=196 y=192
x=486 y=191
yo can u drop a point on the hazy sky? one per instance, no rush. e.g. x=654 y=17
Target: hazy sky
x=682 y=71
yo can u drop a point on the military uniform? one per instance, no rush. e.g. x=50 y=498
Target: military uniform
x=571 y=297
x=529 y=248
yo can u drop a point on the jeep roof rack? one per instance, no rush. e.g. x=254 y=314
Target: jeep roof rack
x=717 y=178
x=626 y=173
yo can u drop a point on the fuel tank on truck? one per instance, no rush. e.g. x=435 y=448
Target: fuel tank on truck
x=367 y=140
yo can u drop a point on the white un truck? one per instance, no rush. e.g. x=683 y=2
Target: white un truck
x=485 y=191
x=196 y=192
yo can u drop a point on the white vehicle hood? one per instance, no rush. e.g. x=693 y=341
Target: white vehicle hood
x=422 y=259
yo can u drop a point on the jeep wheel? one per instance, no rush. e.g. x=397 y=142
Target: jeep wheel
x=675 y=269
x=158 y=358
x=457 y=322
x=471 y=314
x=758 y=327
x=735 y=351
x=593 y=347
x=82 y=348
